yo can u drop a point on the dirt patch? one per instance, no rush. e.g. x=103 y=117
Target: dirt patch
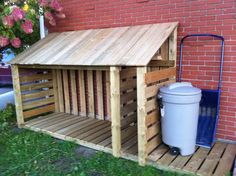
x=84 y=152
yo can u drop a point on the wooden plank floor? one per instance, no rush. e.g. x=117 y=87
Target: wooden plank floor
x=85 y=131
x=96 y=134
x=216 y=161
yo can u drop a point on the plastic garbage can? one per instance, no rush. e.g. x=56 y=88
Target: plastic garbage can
x=179 y=105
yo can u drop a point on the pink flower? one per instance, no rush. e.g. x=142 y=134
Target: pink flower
x=18 y=14
x=16 y=42
x=4 y=41
x=8 y=21
x=56 y=5
x=43 y=3
x=27 y=27
x=60 y=15
x=48 y=15
x=52 y=22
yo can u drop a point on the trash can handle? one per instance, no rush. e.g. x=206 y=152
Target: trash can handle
x=221 y=55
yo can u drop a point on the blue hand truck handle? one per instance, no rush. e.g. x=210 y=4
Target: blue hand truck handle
x=221 y=55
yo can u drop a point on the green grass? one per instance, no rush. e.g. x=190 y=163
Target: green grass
x=24 y=152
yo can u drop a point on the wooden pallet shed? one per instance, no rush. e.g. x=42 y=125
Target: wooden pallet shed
x=97 y=87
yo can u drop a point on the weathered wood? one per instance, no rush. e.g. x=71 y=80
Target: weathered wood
x=129 y=96
x=196 y=160
x=35 y=86
x=115 y=110
x=91 y=107
x=153 y=130
x=60 y=91
x=55 y=91
x=82 y=93
x=152 y=117
x=158 y=152
x=141 y=112
x=161 y=63
x=128 y=108
x=128 y=73
x=165 y=50
x=226 y=161
x=17 y=94
x=35 y=77
x=74 y=93
x=212 y=159
x=151 y=91
x=66 y=90
x=38 y=111
x=36 y=95
x=108 y=95
x=128 y=120
x=166 y=159
x=100 y=107
x=67 y=67
x=40 y=102
x=151 y=104
x=153 y=143
x=126 y=85
x=173 y=46
x=155 y=76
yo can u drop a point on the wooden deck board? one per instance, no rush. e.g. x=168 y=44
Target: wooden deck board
x=96 y=134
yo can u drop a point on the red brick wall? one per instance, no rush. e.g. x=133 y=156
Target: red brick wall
x=194 y=16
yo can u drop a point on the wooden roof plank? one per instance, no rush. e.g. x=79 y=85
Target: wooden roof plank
x=120 y=46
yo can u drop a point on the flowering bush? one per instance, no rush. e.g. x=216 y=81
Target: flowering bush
x=19 y=21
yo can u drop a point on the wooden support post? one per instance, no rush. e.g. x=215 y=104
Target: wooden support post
x=74 y=92
x=82 y=93
x=99 y=95
x=91 y=107
x=142 y=128
x=60 y=91
x=115 y=110
x=173 y=46
x=17 y=94
x=108 y=97
x=55 y=90
x=66 y=90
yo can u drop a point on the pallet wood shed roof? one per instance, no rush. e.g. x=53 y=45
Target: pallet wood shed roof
x=120 y=46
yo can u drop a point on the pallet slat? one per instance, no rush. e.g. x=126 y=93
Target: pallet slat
x=38 y=111
x=155 y=76
x=41 y=102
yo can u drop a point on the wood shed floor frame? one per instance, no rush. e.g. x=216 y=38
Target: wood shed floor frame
x=216 y=161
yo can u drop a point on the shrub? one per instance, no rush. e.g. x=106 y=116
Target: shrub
x=7 y=116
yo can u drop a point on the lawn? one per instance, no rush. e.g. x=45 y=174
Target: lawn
x=24 y=152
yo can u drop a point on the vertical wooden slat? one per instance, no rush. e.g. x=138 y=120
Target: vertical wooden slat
x=165 y=50
x=142 y=128
x=99 y=95
x=17 y=94
x=60 y=91
x=108 y=96
x=74 y=92
x=115 y=110
x=55 y=90
x=66 y=91
x=82 y=93
x=173 y=46
x=91 y=109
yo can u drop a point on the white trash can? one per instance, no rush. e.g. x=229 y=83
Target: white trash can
x=179 y=116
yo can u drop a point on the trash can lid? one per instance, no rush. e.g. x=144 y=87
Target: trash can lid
x=180 y=88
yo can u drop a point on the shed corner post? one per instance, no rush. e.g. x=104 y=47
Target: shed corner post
x=115 y=110
x=141 y=112
x=173 y=46
x=17 y=95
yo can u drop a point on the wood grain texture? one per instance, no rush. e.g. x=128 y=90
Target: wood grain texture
x=74 y=93
x=99 y=47
x=66 y=90
x=141 y=112
x=115 y=110
x=17 y=94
